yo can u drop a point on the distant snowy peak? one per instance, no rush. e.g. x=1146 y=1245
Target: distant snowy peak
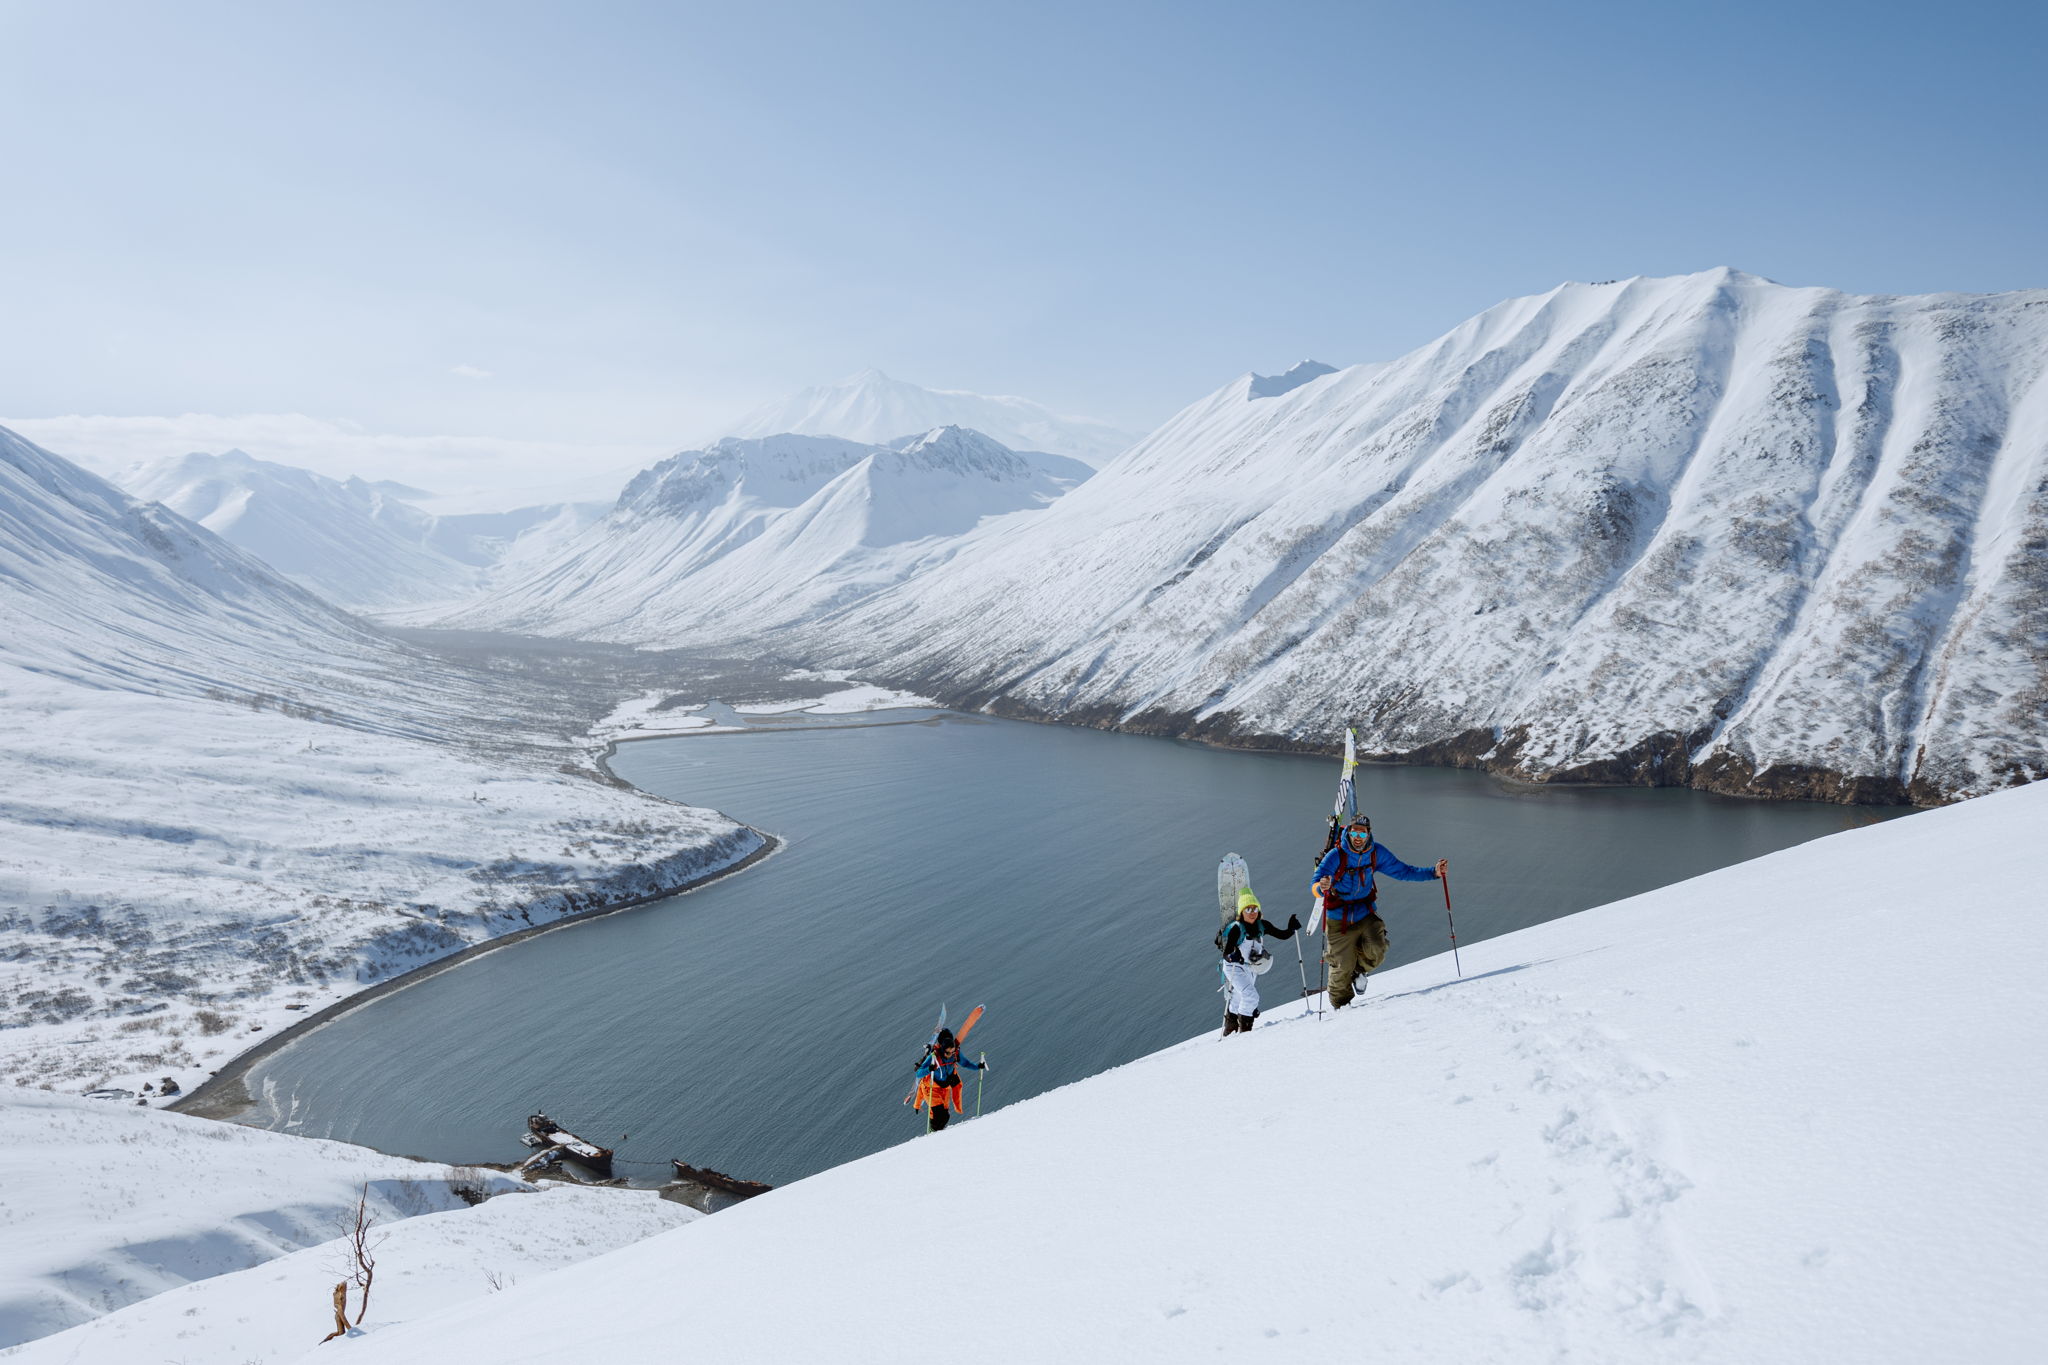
x=361 y=544
x=776 y=471
x=1272 y=386
x=786 y=470
x=110 y=592
x=755 y=533
x=873 y=408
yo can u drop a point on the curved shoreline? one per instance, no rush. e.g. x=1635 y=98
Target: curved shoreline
x=223 y=1094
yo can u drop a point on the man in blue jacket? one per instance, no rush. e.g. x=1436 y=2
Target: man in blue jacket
x=1354 y=935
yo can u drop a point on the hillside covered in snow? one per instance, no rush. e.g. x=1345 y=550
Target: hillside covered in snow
x=225 y=803
x=211 y=1241
x=1703 y=530
x=1721 y=1121
x=754 y=534
x=365 y=546
x=872 y=408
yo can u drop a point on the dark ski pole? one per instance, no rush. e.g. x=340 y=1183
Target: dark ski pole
x=979 y=1077
x=1301 y=963
x=1445 y=878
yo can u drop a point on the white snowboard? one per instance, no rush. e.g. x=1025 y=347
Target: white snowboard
x=1232 y=876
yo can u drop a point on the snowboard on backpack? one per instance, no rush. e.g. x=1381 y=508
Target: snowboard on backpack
x=1232 y=876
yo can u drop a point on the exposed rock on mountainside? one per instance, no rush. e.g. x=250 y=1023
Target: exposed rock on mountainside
x=1704 y=530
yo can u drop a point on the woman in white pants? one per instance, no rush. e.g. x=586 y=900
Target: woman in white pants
x=1245 y=958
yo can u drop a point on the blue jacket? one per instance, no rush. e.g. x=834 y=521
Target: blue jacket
x=1349 y=892
x=942 y=1071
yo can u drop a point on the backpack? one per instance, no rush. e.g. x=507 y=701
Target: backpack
x=1224 y=932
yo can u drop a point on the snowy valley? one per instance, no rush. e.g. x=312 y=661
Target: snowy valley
x=225 y=804
x=1703 y=531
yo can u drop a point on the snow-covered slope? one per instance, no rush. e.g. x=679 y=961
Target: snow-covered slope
x=363 y=545
x=222 y=1237
x=1703 y=529
x=750 y=535
x=223 y=801
x=873 y=408
x=1723 y=1121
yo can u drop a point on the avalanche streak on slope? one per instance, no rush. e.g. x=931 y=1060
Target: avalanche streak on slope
x=872 y=407
x=363 y=545
x=1682 y=1127
x=223 y=801
x=749 y=536
x=1705 y=529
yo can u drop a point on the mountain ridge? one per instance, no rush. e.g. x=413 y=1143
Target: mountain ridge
x=1565 y=541
x=363 y=545
x=873 y=408
x=755 y=531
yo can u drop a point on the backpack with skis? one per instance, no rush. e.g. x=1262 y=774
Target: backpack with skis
x=938 y=1088
x=1345 y=807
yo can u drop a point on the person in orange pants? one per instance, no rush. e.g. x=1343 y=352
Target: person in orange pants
x=938 y=1080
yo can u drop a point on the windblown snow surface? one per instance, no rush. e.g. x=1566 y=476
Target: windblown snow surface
x=873 y=408
x=1705 y=529
x=224 y=803
x=223 y=1237
x=1785 y=1112
x=751 y=535
x=363 y=545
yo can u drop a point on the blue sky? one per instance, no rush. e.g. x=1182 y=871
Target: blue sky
x=638 y=220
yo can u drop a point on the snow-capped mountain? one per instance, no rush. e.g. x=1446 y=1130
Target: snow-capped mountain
x=873 y=408
x=752 y=534
x=110 y=592
x=222 y=798
x=363 y=545
x=1704 y=529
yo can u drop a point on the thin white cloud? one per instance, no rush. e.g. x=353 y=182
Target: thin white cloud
x=473 y=471
x=469 y=372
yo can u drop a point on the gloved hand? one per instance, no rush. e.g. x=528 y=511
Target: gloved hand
x=1293 y=923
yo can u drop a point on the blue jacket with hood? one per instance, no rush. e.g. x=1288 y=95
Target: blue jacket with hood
x=1352 y=887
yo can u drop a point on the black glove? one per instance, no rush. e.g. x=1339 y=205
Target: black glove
x=1293 y=923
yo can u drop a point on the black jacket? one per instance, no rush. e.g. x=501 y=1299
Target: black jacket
x=1235 y=933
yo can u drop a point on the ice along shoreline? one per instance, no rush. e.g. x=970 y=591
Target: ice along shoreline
x=224 y=1095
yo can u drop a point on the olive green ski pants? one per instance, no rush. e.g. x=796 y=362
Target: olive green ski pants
x=1357 y=947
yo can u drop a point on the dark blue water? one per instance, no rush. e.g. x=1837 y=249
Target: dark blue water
x=765 y=1025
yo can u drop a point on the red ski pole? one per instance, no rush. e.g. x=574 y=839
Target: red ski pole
x=1445 y=878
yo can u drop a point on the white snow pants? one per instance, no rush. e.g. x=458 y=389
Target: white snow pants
x=1240 y=989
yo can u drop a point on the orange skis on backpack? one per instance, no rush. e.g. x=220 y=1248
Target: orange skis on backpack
x=928 y=1091
x=967 y=1024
